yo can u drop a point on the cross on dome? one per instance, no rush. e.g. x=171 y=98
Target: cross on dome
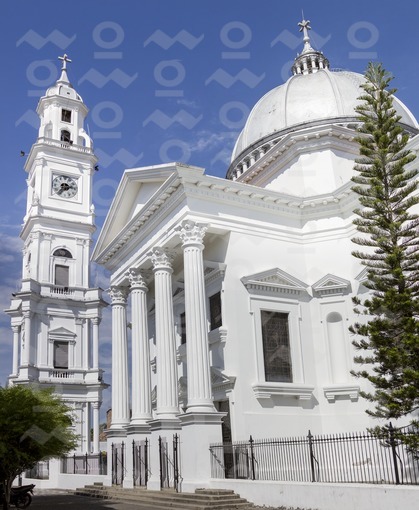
x=309 y=60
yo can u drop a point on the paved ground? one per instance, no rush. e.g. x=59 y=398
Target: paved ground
x=51 y=499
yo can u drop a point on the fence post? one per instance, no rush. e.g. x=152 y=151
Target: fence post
x=74 y=463
x=310 y=445
x=133 y=462
x=393 y=446
x=252 y=458
x=86 y=466
x=146 y=462
x=175 y=462
x=122 y=462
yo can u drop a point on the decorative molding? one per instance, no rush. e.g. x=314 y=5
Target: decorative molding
x=161 y=258
x=118 y=295
x=137 y=278
x=213 y=271
x=331 y=285
x=362 y=277
x=191 y=233
x=266 y=390
x=217 y=335
x=341 y=390
x=274 y=280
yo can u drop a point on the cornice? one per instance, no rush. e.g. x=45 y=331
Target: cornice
x=339 y=202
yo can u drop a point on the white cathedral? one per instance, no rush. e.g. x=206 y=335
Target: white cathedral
x=237 y=290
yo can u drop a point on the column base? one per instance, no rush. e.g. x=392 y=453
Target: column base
x=199 y=430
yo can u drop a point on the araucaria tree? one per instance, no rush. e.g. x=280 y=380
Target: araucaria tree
x=388 y=337
x=34 y=425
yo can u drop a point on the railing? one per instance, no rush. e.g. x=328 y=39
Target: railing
x=62 y=374
x=169 y=463
x=338 y=458
x=65 y=145
x=118 y=463
x=93 y=464
x=140 y=470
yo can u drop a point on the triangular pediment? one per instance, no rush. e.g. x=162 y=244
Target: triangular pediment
x=61 y=332
x=274 y=280
x=331 y=284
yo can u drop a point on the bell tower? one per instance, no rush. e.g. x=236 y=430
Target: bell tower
x=56 y=314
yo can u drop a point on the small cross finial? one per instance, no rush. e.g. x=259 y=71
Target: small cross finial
x=304 y=26
x=65 y=59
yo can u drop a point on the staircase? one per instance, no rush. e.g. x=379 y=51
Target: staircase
x=202 y=499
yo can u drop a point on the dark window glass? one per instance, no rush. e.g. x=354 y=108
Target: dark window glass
x=183 y=328
x=61 y=275
x=62 y=252
x=276 y=346
x=215 y=311
x=66 y=115
x=65 y=136
x=60 y=354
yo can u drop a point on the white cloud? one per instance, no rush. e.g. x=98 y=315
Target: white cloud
x=206 y=141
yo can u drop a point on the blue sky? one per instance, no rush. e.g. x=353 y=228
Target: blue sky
x=170 y=80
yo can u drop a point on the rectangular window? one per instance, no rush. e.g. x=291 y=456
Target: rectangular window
x=60 y=354
x=61 y=276
x=66 y=115
x=183 y=328
x=276 y=346
x=215 y=311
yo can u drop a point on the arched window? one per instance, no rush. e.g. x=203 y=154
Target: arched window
x=62 y=252
x=65 y=136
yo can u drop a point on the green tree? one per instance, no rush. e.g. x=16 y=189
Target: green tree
x=34 y=425
x=388 y=337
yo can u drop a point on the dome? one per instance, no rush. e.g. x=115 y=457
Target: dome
x=323 y=95
x=63 y=86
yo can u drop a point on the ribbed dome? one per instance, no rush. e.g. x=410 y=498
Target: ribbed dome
x=304 y=98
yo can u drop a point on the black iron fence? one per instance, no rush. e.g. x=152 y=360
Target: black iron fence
x=344 y=458
x=93 y=464
x=140 y=463
x=118 y=463
x=169 y=463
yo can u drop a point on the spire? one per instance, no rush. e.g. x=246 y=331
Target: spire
x=64 y=78
x=309 y=60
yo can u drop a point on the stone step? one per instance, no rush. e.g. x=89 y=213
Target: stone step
x=202 y=499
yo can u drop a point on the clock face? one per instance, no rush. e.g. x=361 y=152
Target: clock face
x=64 y=186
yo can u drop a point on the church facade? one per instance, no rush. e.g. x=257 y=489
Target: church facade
x=239 y=290
x=55 y=315
x=234 y=294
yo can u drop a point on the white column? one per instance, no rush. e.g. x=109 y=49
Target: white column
x=96 y=446
x=120 y=397
x=16 y=334
x=197 y=352
x=26 y=338
x=95 y=342
x=167 y=379
x=141 y=377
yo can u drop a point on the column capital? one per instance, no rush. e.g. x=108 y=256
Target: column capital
x=96 y=321
x=191 y=232
x=96 y=405
x=119 y=294
x=161 y=258
x=16 y=329
x=137 y=278
x=27 y=314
